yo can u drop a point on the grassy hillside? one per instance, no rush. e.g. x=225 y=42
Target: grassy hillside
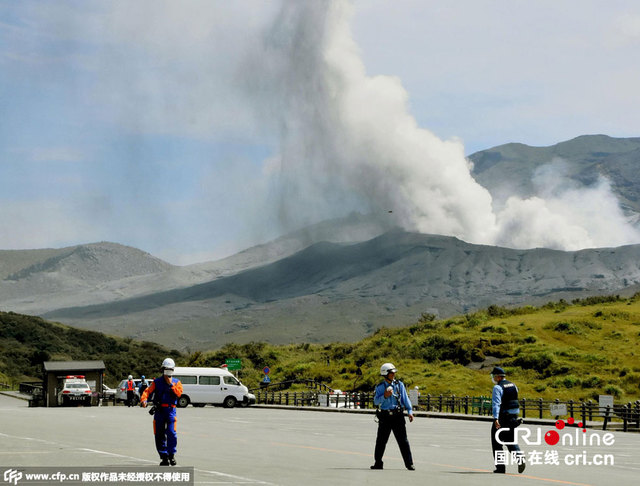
x=27 y=341
x=560 y=350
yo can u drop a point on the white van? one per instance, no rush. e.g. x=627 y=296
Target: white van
x=211 y=385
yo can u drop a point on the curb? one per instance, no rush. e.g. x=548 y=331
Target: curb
x=14 y=394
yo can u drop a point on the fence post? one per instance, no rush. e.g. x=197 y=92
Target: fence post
x=571 y=410
x=466 y=404
x=440 y=403
x=606 y=418
x=524 y=408
x=590 y=405
x=453 y=404
x=583 y=414
x=428 y=402
x=540 y=406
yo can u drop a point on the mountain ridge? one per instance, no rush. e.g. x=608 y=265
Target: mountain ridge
x=509 y=169
x=397 y=276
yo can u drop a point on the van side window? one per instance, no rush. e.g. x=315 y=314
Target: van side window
x=209 y=380
x=187 y=380
x=230 y=380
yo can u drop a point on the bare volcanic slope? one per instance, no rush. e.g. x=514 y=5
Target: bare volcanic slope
x=27 y=274
x=39 y=281
x=344 y=291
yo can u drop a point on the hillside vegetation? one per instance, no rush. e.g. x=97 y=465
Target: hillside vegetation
x=561 y=350
x=27 y=341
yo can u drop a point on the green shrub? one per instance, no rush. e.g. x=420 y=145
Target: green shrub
x=613 y=390
x=592 y=382
x=598 y=299
x=539 y=362
x=565 y=327
x=495 y=329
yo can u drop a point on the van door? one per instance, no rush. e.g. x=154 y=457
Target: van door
x=231 y=386
x=210 y=390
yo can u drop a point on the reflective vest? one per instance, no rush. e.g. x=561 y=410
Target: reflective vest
x=130 y=385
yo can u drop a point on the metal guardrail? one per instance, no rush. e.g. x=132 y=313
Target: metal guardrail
x=628 y=413
x=33 y=388
x=283 y=385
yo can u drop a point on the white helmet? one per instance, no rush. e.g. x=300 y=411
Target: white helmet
x=130 y=377
x=168 y=364
x=387 y=368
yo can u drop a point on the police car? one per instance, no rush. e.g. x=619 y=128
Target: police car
x=75 y=391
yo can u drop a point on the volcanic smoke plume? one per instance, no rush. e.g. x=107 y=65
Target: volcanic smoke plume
x=347 y=141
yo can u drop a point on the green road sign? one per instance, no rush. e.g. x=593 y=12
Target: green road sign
x=233 y=364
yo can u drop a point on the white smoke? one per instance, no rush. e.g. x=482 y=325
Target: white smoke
x=564 y=215
x=348 y=141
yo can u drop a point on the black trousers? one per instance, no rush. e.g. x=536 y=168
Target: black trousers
x=395 y=423
x=505 y=420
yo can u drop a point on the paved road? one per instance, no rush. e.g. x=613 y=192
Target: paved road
x=288 y=447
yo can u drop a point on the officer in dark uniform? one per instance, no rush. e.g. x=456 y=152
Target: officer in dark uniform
x=391 y=398
x=505 y=408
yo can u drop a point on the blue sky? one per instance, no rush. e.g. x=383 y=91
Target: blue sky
x=127 y=122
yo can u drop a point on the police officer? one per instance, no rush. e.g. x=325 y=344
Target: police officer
x=166 y=391
x=505 y=408
x=143 y=385
x=390 y=398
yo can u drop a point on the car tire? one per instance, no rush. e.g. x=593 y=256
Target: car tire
x=229 y=402
x=183 y=401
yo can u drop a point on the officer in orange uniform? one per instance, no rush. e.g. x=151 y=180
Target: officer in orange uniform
x=165 y=391
x=130 y=393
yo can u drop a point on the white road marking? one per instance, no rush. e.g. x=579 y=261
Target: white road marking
x=236 y=479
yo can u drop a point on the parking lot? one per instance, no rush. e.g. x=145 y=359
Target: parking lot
x=288 y=447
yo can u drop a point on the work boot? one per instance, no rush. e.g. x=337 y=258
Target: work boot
x=172 y=460
x=377 y=465
x=521 y=467
x=411 y=467
x=164 y=461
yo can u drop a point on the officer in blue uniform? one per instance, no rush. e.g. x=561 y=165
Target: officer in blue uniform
x=165 y=391
x=505 y=408
x=391 y=398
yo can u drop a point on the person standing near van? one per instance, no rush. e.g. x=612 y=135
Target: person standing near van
x=391 y=399
x=130 y=386
x=143 y=385
x=166 y=390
